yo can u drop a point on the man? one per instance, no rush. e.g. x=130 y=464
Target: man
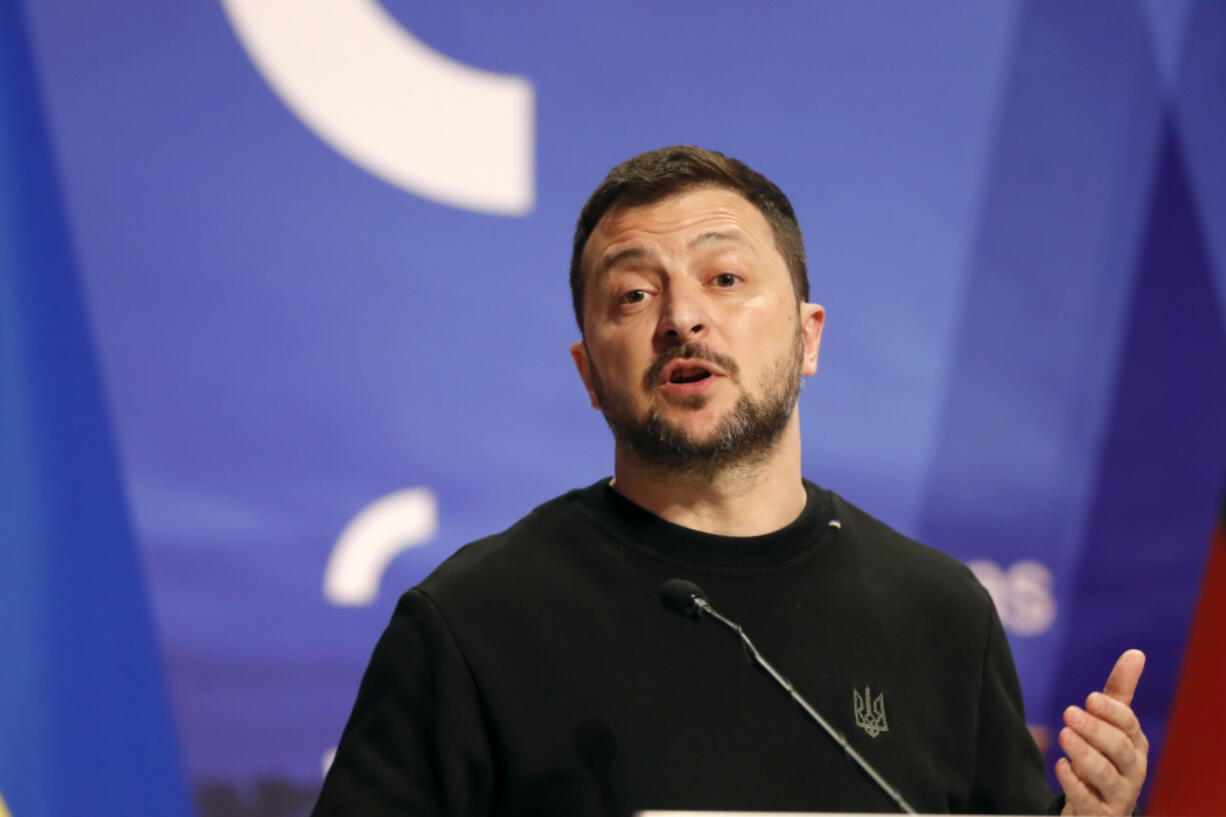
x=535 y=672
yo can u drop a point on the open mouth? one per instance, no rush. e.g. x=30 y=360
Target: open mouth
x=688 y=374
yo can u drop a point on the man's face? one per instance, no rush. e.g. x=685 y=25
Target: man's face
x=695 y=344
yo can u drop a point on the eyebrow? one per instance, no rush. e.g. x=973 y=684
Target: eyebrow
x=621 y=256
x=716 y=236
x=711 y=237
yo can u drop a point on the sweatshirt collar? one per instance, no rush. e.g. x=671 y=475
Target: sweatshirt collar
x=644 y=530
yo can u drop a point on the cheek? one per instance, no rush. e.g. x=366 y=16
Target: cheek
x=612 y=360
x=766 y=325
x=771 y=343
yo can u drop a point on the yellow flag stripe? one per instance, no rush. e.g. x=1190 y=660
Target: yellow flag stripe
x=4 y=811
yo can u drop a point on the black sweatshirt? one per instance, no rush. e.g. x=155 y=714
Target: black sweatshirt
x=536 y=672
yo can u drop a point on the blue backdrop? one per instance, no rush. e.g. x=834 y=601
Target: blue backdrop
x=319 y=252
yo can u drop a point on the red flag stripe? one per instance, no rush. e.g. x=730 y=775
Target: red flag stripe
x=1193 y=766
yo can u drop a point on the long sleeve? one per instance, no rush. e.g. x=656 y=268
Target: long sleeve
x=1009 y=776
x=415 y=743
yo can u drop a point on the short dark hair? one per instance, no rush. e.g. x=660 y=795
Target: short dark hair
x=657 y=174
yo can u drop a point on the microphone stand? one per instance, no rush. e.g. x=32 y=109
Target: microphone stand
x=755 y=657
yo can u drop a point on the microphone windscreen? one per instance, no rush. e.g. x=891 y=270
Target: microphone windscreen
x=678 y=595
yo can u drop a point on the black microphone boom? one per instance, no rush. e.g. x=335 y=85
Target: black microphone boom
x=687 y=599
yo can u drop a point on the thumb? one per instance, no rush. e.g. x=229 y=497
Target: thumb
x=1122 y=682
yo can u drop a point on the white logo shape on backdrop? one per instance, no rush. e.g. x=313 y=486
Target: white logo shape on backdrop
x=1022 y=594
x=379 y=533
x=391 y=104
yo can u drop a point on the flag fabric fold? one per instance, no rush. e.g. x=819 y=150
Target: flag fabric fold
x=1188 y=781
x=83 y=706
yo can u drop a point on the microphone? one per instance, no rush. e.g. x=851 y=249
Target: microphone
x=687 y=599
x=682 y=597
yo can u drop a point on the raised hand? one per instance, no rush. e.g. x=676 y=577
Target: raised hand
x=1105 y=750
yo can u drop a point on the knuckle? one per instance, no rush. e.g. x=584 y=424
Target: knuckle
x=1103 y=771
x=1122 y=748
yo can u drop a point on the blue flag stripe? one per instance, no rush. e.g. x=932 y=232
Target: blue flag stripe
x=87 y=728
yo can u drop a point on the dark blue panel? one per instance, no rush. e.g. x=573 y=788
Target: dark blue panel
x=1049 y=279
x=1158 y=481
x=1202 y=126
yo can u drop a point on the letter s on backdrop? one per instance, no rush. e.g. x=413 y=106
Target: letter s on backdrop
x=1023 y=594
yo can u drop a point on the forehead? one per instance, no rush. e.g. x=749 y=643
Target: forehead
x=675 y=221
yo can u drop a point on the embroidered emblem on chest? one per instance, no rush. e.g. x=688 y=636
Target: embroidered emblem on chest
x=870 y=712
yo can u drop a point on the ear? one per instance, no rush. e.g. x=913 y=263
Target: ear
x=578 y=353
x=812 y=320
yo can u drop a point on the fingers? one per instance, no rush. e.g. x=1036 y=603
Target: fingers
x=1106 y=752
x=1099 y=787
x=1122 y=682
x=1118 y=715
x=1078 y=797
x=1109 y=751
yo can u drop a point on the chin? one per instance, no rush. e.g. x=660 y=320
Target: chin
x=701 y=433
x=697 y=421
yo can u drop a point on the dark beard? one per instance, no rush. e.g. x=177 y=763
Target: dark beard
x=744 y=438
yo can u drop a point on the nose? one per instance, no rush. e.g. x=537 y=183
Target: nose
x=682 y=317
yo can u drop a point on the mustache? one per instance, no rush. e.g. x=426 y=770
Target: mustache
x=690 y=351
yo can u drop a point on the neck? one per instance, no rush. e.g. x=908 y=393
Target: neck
x=741 y=499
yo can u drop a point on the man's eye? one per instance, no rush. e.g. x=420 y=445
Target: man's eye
x=726 y=279
x=634 y=296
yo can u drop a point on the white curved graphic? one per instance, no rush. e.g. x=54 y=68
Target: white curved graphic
x=391 y=104
x=381 y=531
x=1022 y=594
